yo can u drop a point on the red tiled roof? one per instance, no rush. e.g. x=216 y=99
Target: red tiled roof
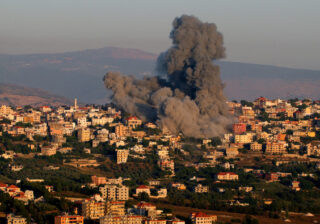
x=132 y=118
x=117 y=202
x=261 y=99
x=145 y=204
x=200 y=214
x=225 y=173
x=143 y=187
x=3 y=185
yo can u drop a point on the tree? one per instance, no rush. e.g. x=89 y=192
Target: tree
x=154 y=192
x=289 y=132
x=24 y=125
x=306 y=184
x=282 y=116
x=250 y=220
x=216 y=141
x=143 y=196
x=27 y=107
x=246 y=103
x=5 y=121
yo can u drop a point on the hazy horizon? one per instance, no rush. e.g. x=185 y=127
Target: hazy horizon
x=280 y=33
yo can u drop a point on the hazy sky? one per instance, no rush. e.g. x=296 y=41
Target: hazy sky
x=277 y=32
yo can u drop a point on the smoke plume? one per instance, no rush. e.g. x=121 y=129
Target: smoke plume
x=189 y=97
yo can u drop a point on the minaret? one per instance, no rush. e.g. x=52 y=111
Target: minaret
x=75 y=103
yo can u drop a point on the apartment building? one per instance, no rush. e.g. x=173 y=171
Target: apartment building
x=202 y=218
x=239 y=128
x=125 y=219
x=92 y=209
x=201 y=189
x=114 y=192
x=84 y=135
x=115 y=208
x=243 y=139
x=14 y=219
x=155 y=221
x=232 y=152
x=122 y=155
x=5 y=110
x=275 y=148
x=98 y=180
x=166 y=164
x=68 y=219
x=121 y=130
x=227 y=176
x=256 y=147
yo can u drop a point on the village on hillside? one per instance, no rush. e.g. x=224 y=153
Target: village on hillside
x=99 y=164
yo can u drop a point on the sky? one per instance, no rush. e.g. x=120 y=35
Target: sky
x=275 y=32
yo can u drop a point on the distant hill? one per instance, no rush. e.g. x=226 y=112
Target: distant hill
x=15 y=95
x=79 y=74
x=249 y=81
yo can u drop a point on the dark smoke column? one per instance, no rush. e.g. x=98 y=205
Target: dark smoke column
x=190 y=98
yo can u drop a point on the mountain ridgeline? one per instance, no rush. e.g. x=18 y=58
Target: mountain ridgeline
x=15 y=95
x=79 y=74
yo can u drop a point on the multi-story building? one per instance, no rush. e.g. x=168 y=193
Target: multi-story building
x=115 y=208
x=133 y=122
x=82 y=122
x=14 y=219
x=114 y=192
x=48 y=150
x=68 y=219
x=102 y=135
x=121 y=130
x=155 y=221
x=92 y=209
x=84 y=135
x=247 y=111
x=45 y=109
x=201 y=189
x=145 y=209
x=232 y=152
x=143 y=189
x=227 y=176
x=176 y=221
x=125 y=219
x=243 y=139
x=255 y=146
x=272 y=177
x=275 y=148
x=202 y=218
x=163 y=154
x=5 y=110
x=239 y=128
x=98 y=180
x=313 y=148
x=166 y=164
x=122 y=155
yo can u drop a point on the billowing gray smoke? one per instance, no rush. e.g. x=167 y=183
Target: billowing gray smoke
x=189 y=97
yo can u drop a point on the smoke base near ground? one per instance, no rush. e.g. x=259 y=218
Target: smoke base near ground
x=187 y=95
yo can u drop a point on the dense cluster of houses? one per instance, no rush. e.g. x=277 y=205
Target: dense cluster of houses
x=288 y=129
